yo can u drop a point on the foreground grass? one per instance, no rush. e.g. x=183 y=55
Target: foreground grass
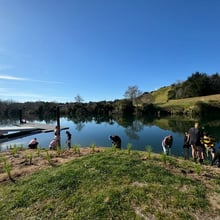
x=113 y=185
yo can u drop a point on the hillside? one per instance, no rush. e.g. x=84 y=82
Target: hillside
x=160 y=99
x=111 y=184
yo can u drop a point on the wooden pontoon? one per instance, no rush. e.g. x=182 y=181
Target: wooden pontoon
x=25 y=129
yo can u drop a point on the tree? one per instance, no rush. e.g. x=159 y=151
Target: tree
x=132 y=93
x=79 y=99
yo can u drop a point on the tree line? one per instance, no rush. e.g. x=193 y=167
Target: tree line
x=199 y=84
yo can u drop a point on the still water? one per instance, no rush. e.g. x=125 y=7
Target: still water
x=139 y=133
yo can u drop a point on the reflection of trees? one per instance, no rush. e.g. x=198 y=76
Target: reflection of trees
x=181 y=124
x=125 y=120
x=132 y=131
x=79 y=126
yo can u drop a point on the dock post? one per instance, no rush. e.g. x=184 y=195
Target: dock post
x=58 y=126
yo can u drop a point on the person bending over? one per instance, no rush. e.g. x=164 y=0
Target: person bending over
x=116 y=141
x=167 y=143
x=33 y=143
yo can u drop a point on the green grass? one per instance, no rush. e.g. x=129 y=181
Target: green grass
x=110 y=185
x=160 y=99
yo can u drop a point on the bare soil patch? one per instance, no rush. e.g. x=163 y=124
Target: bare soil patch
x=25 y=162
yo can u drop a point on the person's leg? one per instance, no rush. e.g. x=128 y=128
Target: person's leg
x=200 y=154
x=164 y=149
x=214 y=159
x=169 y=151
x=186 y=153
x=193 y=152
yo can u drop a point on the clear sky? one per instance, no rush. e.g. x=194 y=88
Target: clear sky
x=54 y=50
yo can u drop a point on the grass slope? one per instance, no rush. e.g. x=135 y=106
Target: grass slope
x=115 y=185
x=160 y=99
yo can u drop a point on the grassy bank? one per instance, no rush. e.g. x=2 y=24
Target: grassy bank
x=112 y=184
x=160 y=99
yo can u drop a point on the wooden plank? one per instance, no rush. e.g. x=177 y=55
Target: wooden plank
x=29 y=127
x=4 y=130
x=43 y=127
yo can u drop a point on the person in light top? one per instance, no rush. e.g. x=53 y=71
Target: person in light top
x=167 y=143
x=33 y=143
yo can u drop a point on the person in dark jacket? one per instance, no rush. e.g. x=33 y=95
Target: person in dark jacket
x=68 y=139
x=186 y=146
x=216 y=160
x=116 y=141
x=195 y=138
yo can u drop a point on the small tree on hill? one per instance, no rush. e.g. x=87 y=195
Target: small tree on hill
x=132 y=93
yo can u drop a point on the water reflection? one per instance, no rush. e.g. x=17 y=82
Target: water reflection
x=133 y=130
x=139 y=131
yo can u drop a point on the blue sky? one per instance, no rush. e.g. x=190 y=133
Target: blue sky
x=54 y=50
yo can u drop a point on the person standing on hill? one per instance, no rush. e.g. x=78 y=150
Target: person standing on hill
x=68 y=140
x=209 y=145
x=195 y=138
x=216 y=160
x=186 y=146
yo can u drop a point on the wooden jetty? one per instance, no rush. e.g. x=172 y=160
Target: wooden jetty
x=25 y=129
x=40 y=126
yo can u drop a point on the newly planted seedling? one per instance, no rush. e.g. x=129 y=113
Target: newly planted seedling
x=129 y=146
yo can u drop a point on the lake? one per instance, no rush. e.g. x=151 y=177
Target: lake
x=140 y=133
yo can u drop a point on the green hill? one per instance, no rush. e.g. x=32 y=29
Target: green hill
x=160 y=99
x=115 y=185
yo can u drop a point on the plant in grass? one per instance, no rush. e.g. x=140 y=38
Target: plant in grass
x=75 y=148
x=15 y=150
x=30 y=158
x=164 y=158
x=92 y=148
x=198 y=168
x=48 y=157
x=58 y=150
x=78 y=149
x=149 y=150
x=113 y=147
x=129 y=145
x=26 y=158
x=7 y=167
x=38 y=152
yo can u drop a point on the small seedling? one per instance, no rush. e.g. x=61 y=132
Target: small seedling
x=92 y=148
x=8 y=168
x=129 y=146
x=30 y=158
x=15 y=150
x=164 y=158
x=58 y=151
x=48 y=157
x=78 y=149
x=198 y=168
x=38 y=152
x=75 y=148
x=114 y=147
x=149 y=150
